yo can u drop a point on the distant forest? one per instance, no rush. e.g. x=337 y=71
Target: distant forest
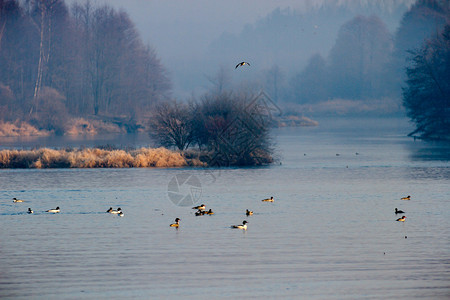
x=58 y=62
x=308 y=60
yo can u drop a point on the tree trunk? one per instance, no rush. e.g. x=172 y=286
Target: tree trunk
x=44 y=54
x=38 y=84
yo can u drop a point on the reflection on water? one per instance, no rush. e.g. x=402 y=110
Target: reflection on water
x=330 y=234
x=429 y=151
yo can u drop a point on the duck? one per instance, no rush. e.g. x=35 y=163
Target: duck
x=109 y=210
x=200 y=207
x=268 y=200
x=56 y=210
x=406 y=198
x=30 y=211
x=176 y=224
x=200 y=212
x=17 y=200
x=209 y=212
x=399 y=211
x=402 y=219
x=120 y=214
x=249 y=212
x=242 y=64
x=243 y=226
x=118 y=211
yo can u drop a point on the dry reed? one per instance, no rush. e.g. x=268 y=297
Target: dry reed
x=93 y=158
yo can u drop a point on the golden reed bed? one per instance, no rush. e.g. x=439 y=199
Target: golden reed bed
x=94 y=158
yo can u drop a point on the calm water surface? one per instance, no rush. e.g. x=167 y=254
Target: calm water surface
x=330 y=234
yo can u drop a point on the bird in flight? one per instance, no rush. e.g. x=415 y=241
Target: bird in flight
x=242 y=64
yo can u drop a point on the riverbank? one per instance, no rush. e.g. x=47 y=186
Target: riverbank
x=95 y=158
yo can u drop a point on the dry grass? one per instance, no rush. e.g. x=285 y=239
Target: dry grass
x=80 y=126
x=21 y=129
x=92 y=158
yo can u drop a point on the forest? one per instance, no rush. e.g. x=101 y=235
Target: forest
x=59 y=63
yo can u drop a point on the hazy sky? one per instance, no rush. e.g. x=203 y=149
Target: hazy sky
x=172 y=26
x=181 y=30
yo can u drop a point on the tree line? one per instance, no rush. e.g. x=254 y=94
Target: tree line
x=86 y=60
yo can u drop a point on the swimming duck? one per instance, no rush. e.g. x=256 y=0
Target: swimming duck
x=249 y=213
x=407 y=198
x=176 y=224
x=243 y=226
x=30 y=211
x=109 y=210
x=402 y=219
x=56 y=210
x=399 y=211
x=242 y=64
x=118 y=211
x=200 y=207
x=120 y=214
x=200 y=212
x=268 y=200
x=209 y=212
x=17 y=200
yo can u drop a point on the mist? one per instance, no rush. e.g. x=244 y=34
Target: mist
x=195 y=39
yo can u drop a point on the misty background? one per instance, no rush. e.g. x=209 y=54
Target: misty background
x=71 y=65
x=196 y=39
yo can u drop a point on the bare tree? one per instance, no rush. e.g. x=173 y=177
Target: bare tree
x=92 y=56
x=171 y=125
x=46 y=10
x=232 y=129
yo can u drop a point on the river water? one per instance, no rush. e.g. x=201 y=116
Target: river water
x=331 y=232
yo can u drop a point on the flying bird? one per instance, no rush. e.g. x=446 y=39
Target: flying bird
x=242 y=64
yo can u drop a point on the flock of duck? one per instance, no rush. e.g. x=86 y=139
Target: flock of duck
x=201 y=211
x=56 y=210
